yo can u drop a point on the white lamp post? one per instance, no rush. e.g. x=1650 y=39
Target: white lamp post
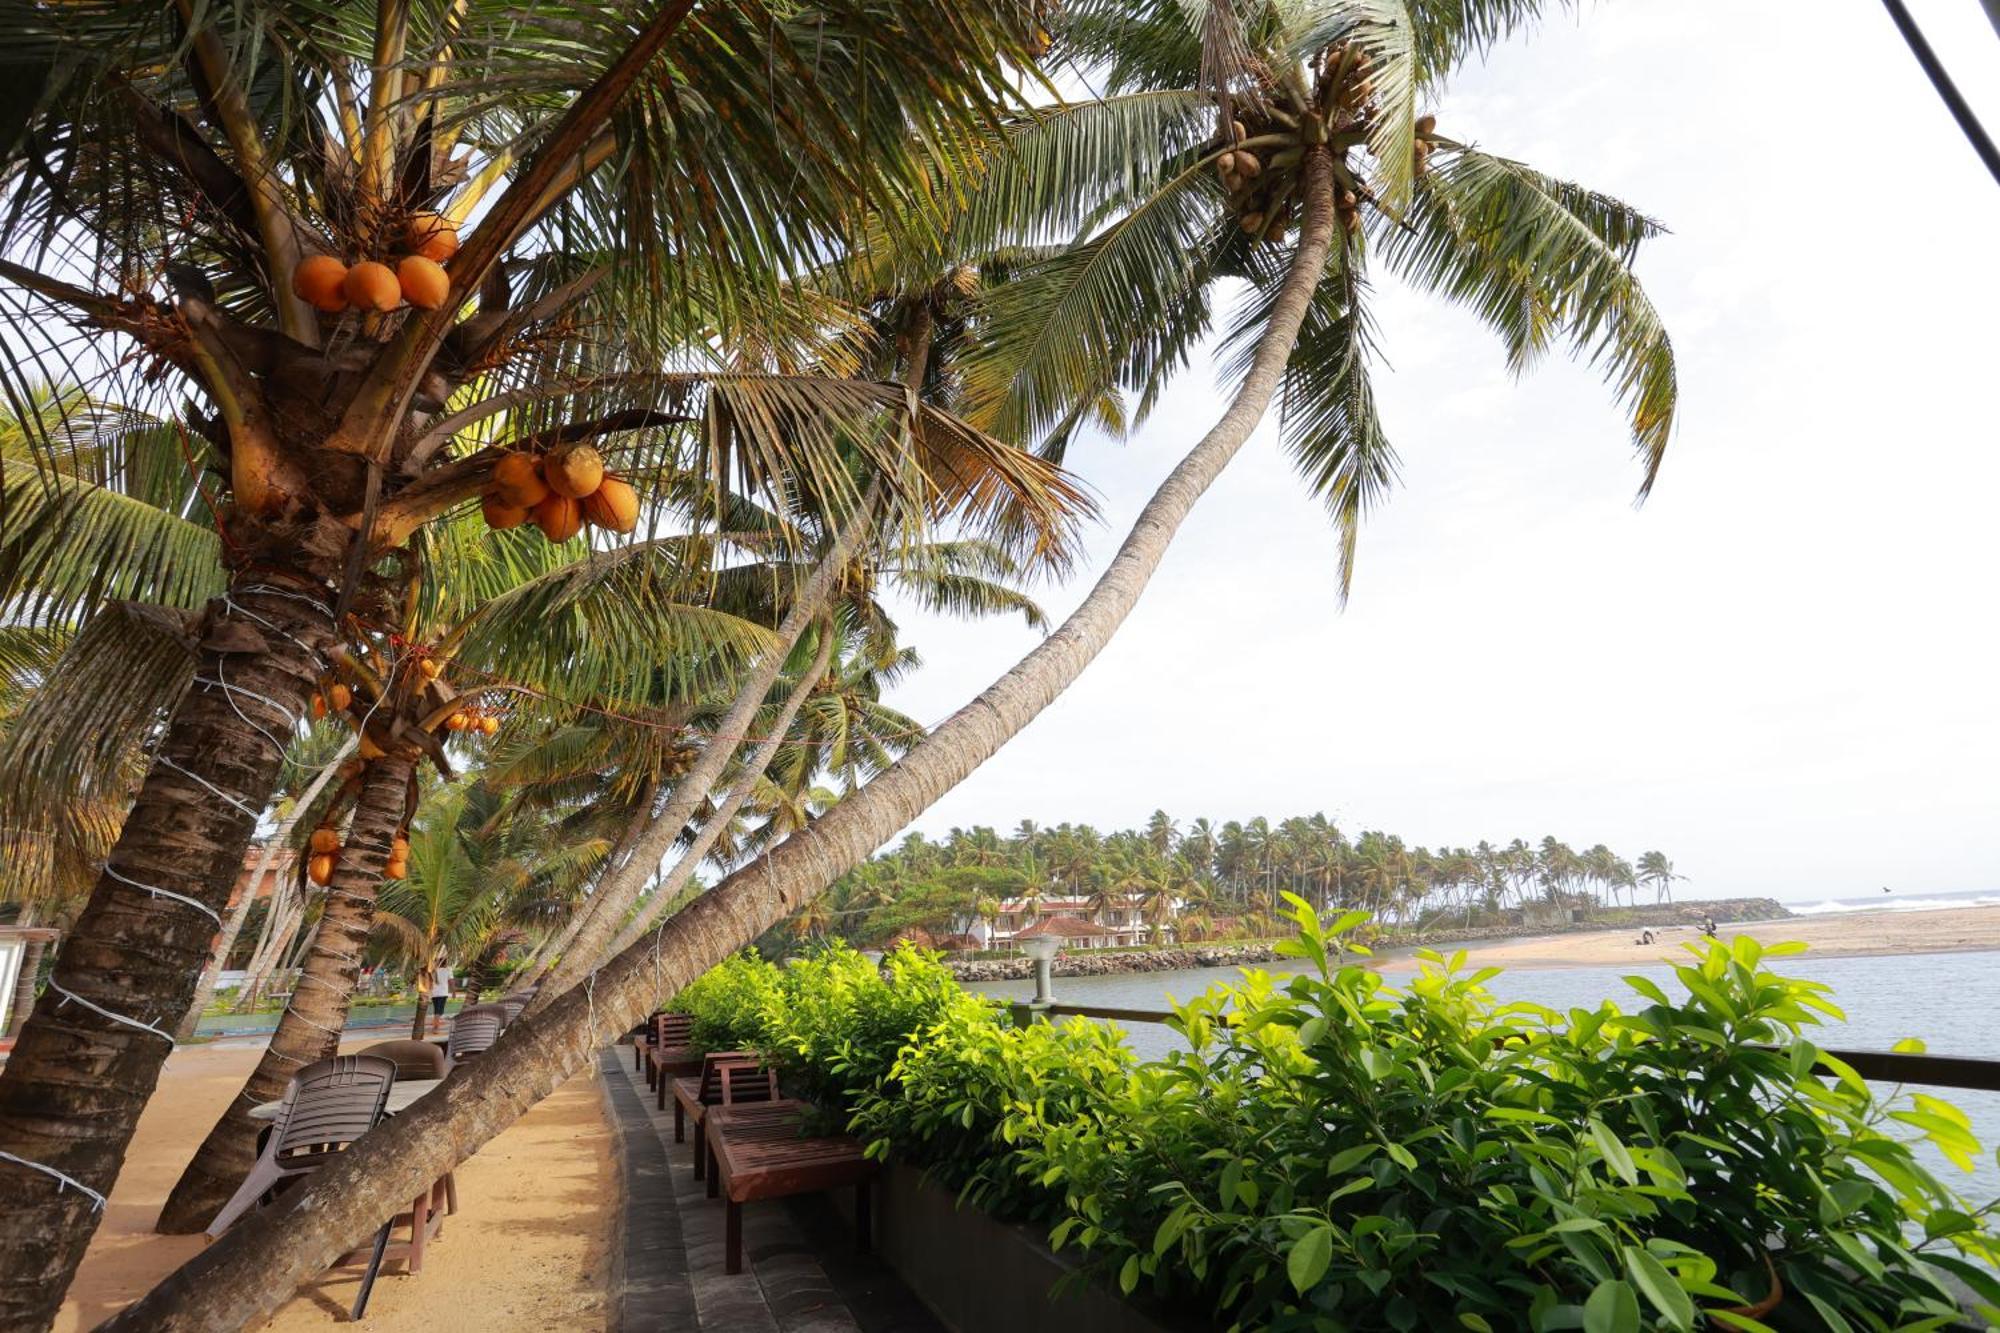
x=1042 y=948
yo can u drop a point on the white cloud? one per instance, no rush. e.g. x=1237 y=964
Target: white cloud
x=1781 y=670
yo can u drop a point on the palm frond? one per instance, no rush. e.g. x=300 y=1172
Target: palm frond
x=1535 y=257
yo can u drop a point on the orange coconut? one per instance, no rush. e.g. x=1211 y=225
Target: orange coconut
x=517 y=481
x=559 y=517
x=432 y=236
x=396 y=870
x=423 y=282
x=318 y=281
x=325 y=841
x=320 y=869
x=489 y=725
x=613 y=505
x=372 y=286
x=338 y=696
x=574 y=471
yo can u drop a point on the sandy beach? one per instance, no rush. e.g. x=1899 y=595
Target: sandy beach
x=1844 y=935
x=526 y=1251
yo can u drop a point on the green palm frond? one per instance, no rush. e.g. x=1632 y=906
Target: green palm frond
x=1069 y=329
x=1536 y=257
x=67 y=545
x=1327 y=405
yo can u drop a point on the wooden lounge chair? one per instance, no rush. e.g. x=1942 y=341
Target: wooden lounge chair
x=661 y=1026
x=694 y=1095
x=669 y=1054
x=755 y=1152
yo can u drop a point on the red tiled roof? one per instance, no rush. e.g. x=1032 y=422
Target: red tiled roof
x=1067 y=926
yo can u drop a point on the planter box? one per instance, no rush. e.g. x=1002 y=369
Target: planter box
x=982 y=1276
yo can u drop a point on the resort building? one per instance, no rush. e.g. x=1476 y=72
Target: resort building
x=1120 y=922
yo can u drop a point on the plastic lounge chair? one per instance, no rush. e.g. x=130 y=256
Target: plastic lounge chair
x=413 y=1059
x=473 y=1031
x=513 y=1005
x=327 y=1106
x=419 y=1059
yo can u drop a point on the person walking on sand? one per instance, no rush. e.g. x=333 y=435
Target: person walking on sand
x=440 y=993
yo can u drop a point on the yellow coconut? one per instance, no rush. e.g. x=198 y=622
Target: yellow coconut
x=318 y=281
x=338 y=696
x=320 y=869
x=489 y=725
x=613 y=505
x=430 y=667
x=559 y=517
x=517 y=481
x=432 y=236
x=575 y=471
x=423 y=282
x=372 y=286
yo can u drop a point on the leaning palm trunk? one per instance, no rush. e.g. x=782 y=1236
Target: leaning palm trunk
x=233 y=927
x=90 y=1054
x=760 y=759
x=310 y=1027
x=288 y=917
x=554 y=946
x=255 y=1268
x=621 y=888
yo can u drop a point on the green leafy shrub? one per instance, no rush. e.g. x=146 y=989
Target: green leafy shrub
x=1334 y=1153
x=967 y=1091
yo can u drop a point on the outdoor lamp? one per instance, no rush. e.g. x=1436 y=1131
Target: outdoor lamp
x=1042 y=948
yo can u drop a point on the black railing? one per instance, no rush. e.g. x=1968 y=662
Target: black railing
x=1932 y=1071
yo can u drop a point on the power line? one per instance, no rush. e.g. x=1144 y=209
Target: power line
x=1961 y=110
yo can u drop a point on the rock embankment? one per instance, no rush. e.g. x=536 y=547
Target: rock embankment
x=1093 y=964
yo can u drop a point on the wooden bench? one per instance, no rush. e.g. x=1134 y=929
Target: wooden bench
x=754 y=1152
x=695 y=1094
x=669 y=1056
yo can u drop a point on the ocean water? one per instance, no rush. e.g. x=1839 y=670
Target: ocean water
x=1951 y=1001
x=1890 y=901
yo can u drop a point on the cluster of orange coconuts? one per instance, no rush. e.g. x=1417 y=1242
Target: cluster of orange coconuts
x=474 y=718
x=561 y=491
x=325 y=855
x=325 y=283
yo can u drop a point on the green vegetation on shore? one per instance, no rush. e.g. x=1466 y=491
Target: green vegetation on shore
x=1335 y=1152
x=1211 y=881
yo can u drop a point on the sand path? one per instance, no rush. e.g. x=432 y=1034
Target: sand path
x=527 y=1250
x=1848 y=935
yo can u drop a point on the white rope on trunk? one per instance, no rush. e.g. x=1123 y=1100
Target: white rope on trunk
x=69 y=995
x=229 y=693
x=159 y=892
x=63 y=1180
x=236 y=801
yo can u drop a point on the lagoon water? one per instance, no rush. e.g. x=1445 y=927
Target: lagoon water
x=1951 y=1001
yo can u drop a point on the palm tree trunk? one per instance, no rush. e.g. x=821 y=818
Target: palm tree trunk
x=23 y=999
x=760 y=759
x=628 y=838
x=621 y=888
x=255 y=1268
x=290 y=917
x=232 y=927
x=279 y=904
x=90 y=1053
x=310 y=1028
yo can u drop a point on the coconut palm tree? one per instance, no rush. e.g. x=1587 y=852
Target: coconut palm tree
x=1339 y=164
x=278 y=145
x=1656 y=872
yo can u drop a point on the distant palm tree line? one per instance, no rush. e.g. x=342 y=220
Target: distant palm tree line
x=1211 y=880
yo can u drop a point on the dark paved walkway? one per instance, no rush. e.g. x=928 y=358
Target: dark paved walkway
x=801 y=1273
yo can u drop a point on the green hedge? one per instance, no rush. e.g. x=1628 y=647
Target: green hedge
x=1335 y=1153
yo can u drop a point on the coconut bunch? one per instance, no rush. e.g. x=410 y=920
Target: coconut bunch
x=472 y=717
x=560 y=491
x=371 y=285
x=325 y=850
x=1259 y=162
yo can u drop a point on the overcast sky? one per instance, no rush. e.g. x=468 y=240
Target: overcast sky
x=1783 y=670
